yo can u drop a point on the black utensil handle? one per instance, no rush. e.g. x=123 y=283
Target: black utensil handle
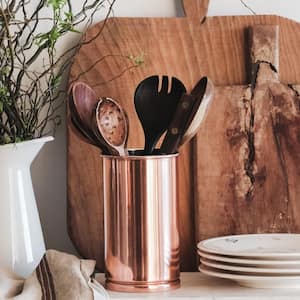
x=150 y=143
x=175 y=131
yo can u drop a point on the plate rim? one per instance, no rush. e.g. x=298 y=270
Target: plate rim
x=251 y=269
x=246 y=260
x=246 y=277
x=201 y=246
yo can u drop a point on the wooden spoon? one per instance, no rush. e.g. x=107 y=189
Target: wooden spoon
x=82 y=101
x=175 y=131
x=112 y=125
x=78 y=126
x=77 y=130
x=155 y=108
x=85 y=101
x=189 y=108
x=82 y=104
x=183 y=113
x=199 y=111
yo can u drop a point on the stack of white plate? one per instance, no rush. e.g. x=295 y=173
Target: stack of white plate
x=253 y=260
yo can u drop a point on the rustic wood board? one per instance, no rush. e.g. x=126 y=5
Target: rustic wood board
x=254 y=147
x=187 y=48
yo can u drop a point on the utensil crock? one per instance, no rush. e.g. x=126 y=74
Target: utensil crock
x=141 y=225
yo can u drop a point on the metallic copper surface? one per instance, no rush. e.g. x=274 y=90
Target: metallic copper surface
x=141 y=226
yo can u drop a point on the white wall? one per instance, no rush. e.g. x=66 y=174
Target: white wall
x=49 y=169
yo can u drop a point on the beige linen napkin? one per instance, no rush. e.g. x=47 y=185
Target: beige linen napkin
x=59 y=276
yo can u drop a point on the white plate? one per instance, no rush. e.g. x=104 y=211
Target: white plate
x=253 y=261
x=257 y=270
x=272 y=245
x=273 y=282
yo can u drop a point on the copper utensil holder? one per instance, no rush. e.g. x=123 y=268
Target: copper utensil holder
x=141 y=224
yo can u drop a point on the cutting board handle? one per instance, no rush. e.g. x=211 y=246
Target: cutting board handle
x=195 y=8
x=264 y=41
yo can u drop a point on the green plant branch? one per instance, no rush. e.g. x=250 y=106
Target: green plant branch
x=74 y=49
x=29 y=97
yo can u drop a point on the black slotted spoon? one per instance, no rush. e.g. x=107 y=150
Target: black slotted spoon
x=155 y=108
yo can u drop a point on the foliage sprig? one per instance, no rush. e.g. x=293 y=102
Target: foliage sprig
x=31 y=72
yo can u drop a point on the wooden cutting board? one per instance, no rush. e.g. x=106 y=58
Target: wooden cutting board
x=211 y=202
x=253 y=184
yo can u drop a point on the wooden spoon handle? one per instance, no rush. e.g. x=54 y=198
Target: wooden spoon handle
x=199 y=110
x=175 y=131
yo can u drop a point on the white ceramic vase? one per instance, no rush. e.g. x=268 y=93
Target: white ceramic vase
x=21 y=239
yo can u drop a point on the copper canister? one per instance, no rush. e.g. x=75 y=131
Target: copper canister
x=141 y=223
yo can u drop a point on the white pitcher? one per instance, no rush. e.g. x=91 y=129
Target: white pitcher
x=21 y=239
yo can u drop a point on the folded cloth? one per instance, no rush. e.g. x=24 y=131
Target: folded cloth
x=59 y=276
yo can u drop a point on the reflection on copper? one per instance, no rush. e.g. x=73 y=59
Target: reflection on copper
x=141 y=226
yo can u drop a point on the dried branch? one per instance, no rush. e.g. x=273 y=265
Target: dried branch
x=248 y=7
x=30 y=90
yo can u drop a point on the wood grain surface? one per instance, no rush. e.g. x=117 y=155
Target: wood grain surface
x=212 y=167
x=254 y=149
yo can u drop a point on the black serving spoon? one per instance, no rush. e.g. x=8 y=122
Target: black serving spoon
x=155 y=108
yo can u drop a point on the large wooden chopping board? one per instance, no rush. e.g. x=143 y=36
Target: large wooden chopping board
x=254 y=150
x=187 y=48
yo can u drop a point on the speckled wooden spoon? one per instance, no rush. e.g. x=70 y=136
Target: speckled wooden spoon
x=112 y=124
